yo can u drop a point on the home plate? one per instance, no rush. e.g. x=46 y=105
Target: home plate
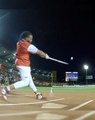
x=48 y=116
x=53 y=105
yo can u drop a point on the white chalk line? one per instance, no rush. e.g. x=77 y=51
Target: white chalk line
x=20 y=95
x=85 y=115
x=19 y=114
x=32 y=103
x=81 y=105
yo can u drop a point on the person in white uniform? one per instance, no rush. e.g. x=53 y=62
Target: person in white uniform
x=22 y=62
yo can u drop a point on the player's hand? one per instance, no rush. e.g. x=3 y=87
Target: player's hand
x=47 y=57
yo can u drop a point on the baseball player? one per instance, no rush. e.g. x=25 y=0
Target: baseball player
x=22 y=62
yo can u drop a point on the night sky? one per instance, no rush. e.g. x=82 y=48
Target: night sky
x=61 y=28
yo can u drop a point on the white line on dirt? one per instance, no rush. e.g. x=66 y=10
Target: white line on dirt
x=19 y=114
x=32 y=103
x=85 y=115
x=20 y=95
x=81 y=105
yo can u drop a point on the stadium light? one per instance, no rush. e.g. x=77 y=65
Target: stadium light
x=86 y=67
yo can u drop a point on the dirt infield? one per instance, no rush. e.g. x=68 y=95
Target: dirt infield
x=58 y=106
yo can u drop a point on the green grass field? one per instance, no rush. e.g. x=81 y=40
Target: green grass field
x=61 y=89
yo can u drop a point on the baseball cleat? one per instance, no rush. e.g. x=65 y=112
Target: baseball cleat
x=39 y=96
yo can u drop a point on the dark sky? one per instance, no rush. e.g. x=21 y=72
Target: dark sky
x=61 y=28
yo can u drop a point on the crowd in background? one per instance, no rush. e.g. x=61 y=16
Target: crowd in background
x=8 y=77
x=41 y=82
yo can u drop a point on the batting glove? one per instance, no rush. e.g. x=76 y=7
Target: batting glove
x=47 y=57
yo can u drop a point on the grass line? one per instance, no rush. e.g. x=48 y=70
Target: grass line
x=60 y=89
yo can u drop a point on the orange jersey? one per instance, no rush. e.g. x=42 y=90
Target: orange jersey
x=22 y=55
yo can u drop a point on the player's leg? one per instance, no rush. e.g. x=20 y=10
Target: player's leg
x=31 y=83
x=33 y=87
x=24 y=74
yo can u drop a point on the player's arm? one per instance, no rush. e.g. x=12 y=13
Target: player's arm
x=32 y=49
x=41 y=53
